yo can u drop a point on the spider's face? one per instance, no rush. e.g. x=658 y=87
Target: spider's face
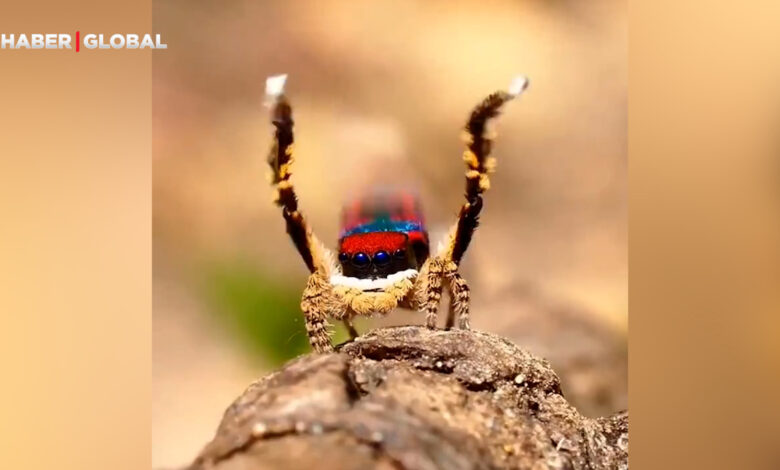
x=376 y=255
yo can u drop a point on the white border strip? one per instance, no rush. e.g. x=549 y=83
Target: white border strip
x=371 y=284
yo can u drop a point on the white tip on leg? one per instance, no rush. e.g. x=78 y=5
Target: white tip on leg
x=274 y=86
x=518 y=85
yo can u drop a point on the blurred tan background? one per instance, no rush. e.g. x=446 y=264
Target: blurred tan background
x=380 y=91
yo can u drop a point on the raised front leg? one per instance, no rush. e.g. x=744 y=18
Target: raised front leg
x=479 y=164
x=280 y=160
x=318 y=303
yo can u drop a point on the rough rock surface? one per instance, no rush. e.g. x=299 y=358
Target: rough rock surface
x=413 y=398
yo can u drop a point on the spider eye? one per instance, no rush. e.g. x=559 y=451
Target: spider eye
x=381 y=258
x=343 y=257
x=400 y=254
x=361 y=260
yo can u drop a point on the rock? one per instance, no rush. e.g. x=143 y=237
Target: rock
x=416 y=399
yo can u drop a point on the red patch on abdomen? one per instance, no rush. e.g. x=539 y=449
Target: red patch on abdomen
x=370 y=243
x=418 y=237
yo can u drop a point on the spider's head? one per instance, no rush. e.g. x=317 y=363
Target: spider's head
x=376 y=255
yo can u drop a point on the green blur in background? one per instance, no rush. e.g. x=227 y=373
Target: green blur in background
x=262 y=312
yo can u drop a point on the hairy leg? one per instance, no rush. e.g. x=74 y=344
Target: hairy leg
x=317 y=303
x=280 y=159
x=479 y=164
x=428 y=292
x=459 y=299
x=318 y=300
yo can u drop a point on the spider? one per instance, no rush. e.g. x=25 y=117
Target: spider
x=383 y=260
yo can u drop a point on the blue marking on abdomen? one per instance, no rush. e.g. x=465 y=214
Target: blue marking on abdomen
x=384 y=225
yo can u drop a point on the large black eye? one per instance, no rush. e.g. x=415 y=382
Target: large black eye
x=343 y=257
x=400 y=254
x=361 y=260
x=381 y=258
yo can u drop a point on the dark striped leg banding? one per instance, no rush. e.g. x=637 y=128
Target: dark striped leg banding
x=280 y=159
